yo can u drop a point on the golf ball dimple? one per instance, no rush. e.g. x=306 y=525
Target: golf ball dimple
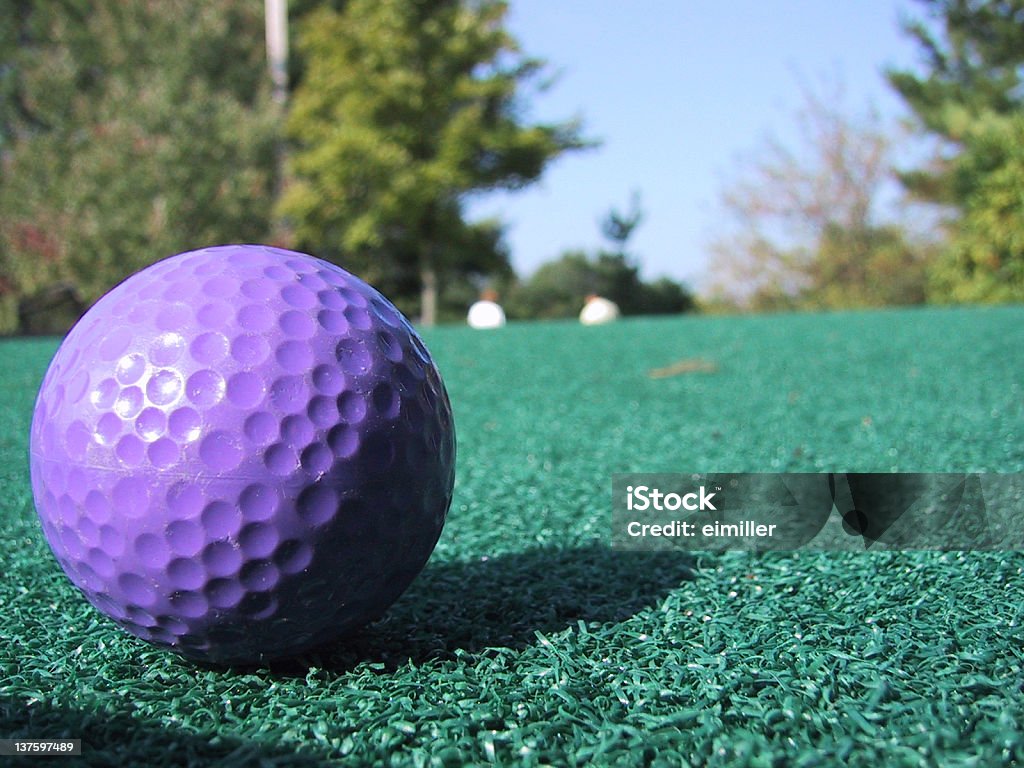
x=242 y=452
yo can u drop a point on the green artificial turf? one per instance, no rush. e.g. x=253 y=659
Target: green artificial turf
x=528 y=641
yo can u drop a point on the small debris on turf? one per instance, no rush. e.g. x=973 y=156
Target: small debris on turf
x=690 y=365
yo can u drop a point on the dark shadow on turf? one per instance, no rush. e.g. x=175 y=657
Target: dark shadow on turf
x=121 y=740
x=502 y=602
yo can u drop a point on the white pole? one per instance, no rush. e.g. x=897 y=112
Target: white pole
x=276 y=22
x=276 y=12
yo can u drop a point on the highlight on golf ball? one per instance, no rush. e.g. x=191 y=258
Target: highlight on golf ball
x=242 y=452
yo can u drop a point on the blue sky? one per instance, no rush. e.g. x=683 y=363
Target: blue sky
x=677 y=90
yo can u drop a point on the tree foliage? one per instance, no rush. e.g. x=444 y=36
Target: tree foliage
x=558 y=288
x=973 y=58
x=809 y=228
x=984 y=262
x=404 y=109
x=555 y=290
x=131 y=131
x=970 y=98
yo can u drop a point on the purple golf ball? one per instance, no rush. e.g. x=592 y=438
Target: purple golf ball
x=242 y=452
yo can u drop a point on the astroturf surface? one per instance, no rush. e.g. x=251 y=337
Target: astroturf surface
x=526 y=640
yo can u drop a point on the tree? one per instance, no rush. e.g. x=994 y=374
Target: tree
x=970 y=99
x=557 y=289
x=618 y=227
x=404 y=109
x=808 y=229
x=13 y=13
x=135 y=130
x=974 y=61
x=984 y=262
x=618 y=271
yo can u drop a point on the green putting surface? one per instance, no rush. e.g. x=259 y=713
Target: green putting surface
x=526 y=640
